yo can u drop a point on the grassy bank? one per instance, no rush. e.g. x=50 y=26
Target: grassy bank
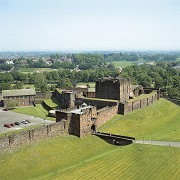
x=37 y=111
x=69 y=157
x=156 y=122
x=73 y=158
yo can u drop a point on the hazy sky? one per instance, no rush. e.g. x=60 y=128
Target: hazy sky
x=29 y=25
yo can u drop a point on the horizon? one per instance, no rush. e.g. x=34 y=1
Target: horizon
x=89 y=25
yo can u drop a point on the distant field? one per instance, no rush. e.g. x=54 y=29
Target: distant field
x=37 y=111
x=123 y=64
x=31 y=70
x=91 y=84
x=156 y=122
x=28 y=86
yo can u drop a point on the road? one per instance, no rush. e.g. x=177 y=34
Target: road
x=159 y=143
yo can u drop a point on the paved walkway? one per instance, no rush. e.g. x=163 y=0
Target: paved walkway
x=160 y=143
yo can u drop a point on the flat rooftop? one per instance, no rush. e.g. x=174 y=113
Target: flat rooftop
x=80 y=110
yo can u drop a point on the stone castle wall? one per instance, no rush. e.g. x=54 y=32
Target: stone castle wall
x=105 y=114
x=99 y=103
x=133 y=105
x=25 y=137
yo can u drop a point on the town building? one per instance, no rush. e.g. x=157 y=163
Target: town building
x=18 y=97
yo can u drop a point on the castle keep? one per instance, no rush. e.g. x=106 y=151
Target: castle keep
x=113 y=88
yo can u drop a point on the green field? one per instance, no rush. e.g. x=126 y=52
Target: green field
x=53 y=102
x=69 y=157
x=89 y=158
x=37 y=111
x=122 y=64
x=91 y=84
x=156 y=122
x=31 y=70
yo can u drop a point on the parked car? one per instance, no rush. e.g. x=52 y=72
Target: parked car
x=28 y=121
x=7 y=125
x=17 y=123
x=12 y=124
x=24 y=122
x=5 y=109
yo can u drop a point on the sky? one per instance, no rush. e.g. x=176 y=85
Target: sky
x=89 y=25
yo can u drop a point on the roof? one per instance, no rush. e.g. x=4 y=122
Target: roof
x=136 y=86
x=18 y=92
x=91 y=90
x=118 y=79
x=80 y=110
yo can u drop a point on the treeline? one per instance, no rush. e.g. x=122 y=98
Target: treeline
x=61 y=78
x=135 y=56
x=86 y=61
x=5 y=67
x=160 y=76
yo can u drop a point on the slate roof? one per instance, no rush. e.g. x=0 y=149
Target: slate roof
x=18 y=92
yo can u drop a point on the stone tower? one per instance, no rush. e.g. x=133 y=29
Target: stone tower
x=113 y=88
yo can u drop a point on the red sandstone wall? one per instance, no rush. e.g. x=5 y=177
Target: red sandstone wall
x=137 y=104
x=25 y=137
x=105 y=114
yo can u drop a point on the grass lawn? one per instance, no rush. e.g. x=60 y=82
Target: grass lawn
x=156 y=122
x=53 y=102
x=37 y=111
x=91 y=84
x=31 y=70
x=123 y=64
x=69 y=157
x=28 y=86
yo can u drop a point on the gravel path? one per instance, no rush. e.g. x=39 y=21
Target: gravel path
x=159 y=143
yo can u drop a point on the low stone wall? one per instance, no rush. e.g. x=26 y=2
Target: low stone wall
x=99 y=103
x=133 y=105
x=175 y=101
x=25 y=137
x=41 y=95
x=105 y=114
x=114 y=139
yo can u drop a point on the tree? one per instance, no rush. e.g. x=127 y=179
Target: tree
x=44 y=88
x=39 y=80
x=18 y=85
x=65 y=83
x=5 y=86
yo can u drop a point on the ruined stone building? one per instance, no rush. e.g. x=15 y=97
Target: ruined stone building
x=113 y=88
x=113 y=96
